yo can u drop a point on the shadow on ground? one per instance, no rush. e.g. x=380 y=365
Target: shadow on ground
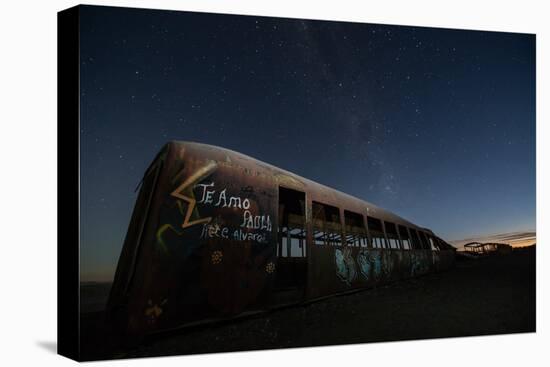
x=50 y=346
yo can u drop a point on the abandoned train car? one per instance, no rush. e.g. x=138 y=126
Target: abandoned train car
x=215 y=234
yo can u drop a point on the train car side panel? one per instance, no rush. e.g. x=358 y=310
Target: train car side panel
x=207 y=251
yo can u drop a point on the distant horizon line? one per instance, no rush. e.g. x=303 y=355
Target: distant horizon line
x=507 y=237
x=497 y=234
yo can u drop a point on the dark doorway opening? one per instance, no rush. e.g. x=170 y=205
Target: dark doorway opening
x=291 y=241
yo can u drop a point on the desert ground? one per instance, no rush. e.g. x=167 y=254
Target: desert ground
x=492 y=295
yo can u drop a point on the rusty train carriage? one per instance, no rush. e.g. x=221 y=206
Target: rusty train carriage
x=216 y=234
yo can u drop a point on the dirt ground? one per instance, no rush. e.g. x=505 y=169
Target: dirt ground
x=477 y=297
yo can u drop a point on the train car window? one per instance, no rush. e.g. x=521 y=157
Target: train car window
x=356 y=233
x=433 y=244
x=424 y=240
x=292 y=228
x=377 y=232
x=415 y=240
x=318 y=218
x=378 y=242
x=327 y=228
x=393 y=243
x=393 y=237
x=405 y=240
x=374 y=224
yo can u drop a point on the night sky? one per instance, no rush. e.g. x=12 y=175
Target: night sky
x=435 y=125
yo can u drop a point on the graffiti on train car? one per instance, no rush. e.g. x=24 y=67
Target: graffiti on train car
x=214 y=230
x=345 y=265
x=199 y=194
x=209 y=197
x=364 y=264
x=153 y=311
x=260 y=225
x=370 y=263
x=185 y=193
x=376 y=264
x=419 y=263
x=250 y=221
x=388 y=263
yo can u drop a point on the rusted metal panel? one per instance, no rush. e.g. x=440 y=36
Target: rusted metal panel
x=203 y=239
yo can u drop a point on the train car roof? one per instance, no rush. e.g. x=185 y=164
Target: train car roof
x=285 y=177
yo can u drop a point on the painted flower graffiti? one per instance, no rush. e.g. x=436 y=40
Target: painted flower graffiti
x=216 y=257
